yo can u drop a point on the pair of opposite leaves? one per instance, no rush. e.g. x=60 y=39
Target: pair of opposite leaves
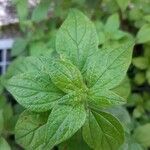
x=62 y=95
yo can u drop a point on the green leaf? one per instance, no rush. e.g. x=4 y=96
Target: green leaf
x=142 y=134
x=103 y=98
x=138 y=111
x=28 y=64
x=148 y=75
x=64 y=121
x=39 y=48
x=22 y=9
x=15 y=67
x=102 y=131
x=8 y=115
x=130 y=144
x=107 y=67
x=41 y=11
x=19 y=46
x=135 y=99
x=30 y=130
x=143 y=34
x=66 y=76
x=124 y=89
x=1 y=121
x=74 y=143
x=77 y=38
x=147 y=18
x=140 y=62
x=72 y=98
x=112 y=23
x=123 y=4
x=118 y=35
x=1 y=85
x=34 y=91
x=139 y=78
x=123 y=115
x=3 y=144
x=100 y=31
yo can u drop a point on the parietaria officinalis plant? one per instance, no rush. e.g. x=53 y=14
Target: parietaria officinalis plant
x=65 y=93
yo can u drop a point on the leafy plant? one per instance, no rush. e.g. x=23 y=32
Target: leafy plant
x=71 y=89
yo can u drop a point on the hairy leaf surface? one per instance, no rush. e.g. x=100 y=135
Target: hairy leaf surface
x=66 y=76
x=28 y=64
x=34 y=91
x=107 y=67
x=103 y=98
x=77 y=38
x=63 y=122
x=102 y=131
x=30 y=130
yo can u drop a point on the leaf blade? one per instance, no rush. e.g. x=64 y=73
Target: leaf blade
x=66 y=76
x=110 y=70
x=63 y=122
x=104 y=98
x=30 y=130
x=34 y=91
x=101 y=131
x=76 y=38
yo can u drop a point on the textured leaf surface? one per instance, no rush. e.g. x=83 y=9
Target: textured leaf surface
x=63 y=122
x=34 y=91
x=107 y=67
x=102 y=131
x=72 y=98
x=102 y=98
x=66 y=76
x=123 y=115
x=77 y=38
x=30 y=130
x=28 y=64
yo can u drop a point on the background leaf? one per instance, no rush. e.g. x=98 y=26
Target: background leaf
x=112 y=23
x=142 y=134
x=140 y=62
x=41 y=11
x=19 y=46
x=123 y=4
x=143 y=34
x=4 y=145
